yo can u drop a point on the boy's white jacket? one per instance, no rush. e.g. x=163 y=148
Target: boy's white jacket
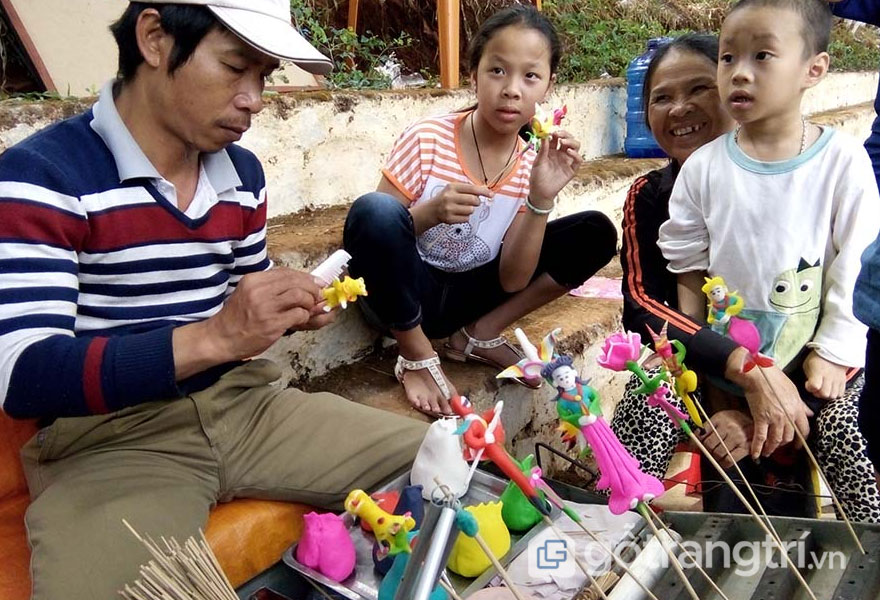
x=787 y=236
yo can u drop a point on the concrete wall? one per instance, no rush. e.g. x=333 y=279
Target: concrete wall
x=344 y=141
x=322 y=148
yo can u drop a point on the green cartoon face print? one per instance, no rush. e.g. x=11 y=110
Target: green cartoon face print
x=797 y=294
x=798 y=290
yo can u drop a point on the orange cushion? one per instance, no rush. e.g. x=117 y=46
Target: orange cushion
x=248 y=536
x=15 y=556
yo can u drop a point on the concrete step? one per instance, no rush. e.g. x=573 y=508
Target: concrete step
x=852 y=120
x=306 y=139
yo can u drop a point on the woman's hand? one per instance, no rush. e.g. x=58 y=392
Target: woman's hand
x=454 y=204
x=557 y=162
x=770 y=395
x=735 y=429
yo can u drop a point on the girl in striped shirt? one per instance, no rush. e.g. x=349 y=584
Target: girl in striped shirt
x=456 y=241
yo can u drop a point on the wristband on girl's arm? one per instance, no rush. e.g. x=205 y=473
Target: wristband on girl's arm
x=539 y=211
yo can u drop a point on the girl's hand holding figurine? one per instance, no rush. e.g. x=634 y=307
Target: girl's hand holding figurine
x=557 y=162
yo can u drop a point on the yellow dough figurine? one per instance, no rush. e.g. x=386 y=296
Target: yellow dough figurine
x=390 y=530
x=467 y=558
x=340 y=293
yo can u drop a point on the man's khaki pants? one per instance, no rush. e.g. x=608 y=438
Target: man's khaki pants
x=163 y=465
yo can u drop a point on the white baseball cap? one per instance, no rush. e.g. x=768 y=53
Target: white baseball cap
x=265 y=25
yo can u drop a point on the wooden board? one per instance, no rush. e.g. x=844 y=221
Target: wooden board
x=70 y=44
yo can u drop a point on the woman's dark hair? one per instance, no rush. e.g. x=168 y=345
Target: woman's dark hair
x=522 y=15
x=187 y=24
x=703 y=44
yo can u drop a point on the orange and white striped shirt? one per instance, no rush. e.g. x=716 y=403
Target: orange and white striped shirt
x=425 y=159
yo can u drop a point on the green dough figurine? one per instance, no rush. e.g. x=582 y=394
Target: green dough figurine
x=517 y=511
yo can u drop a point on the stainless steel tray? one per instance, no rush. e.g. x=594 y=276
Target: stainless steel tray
x=363 y=584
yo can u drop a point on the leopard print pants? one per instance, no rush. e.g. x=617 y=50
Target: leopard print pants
x=839 y=447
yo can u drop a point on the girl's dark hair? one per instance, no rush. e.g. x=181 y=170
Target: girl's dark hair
x=187 y=24
x=703 y=44
x=522 y=15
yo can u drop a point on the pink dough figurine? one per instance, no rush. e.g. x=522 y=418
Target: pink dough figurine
x=671 y=354
x=577 y=405
x=326 y=546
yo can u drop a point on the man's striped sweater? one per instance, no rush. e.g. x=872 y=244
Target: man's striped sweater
x=95 y=274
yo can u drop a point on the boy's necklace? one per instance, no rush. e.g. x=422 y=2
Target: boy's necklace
x=803 y=135
x=480 y=157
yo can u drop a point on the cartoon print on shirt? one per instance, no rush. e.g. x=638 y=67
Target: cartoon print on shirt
x=796 y=293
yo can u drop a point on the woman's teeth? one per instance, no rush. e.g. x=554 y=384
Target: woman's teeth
x=686 y=130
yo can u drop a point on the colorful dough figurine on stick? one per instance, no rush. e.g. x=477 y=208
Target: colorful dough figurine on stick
x=484 y=436
x=723 y=307
x=577 y=405
x=671 y=354
x=544 y=123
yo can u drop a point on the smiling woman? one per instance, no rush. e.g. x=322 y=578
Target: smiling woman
x=684 y=112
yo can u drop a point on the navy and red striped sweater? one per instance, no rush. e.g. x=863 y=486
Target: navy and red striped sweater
x=95 y=274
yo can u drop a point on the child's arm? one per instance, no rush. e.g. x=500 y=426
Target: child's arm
x=648 y=301
x=455 y=204
x=684 y=237
x=557 y=162
x=405 y=176
x=839 y=340
x=691 y=299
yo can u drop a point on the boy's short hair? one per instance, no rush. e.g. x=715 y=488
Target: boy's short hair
x=815 y=15
x=187 y=24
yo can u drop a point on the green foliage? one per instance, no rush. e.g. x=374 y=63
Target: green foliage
x=355 y=57
x=592 y=46
x=600 y=40
x=850 y=52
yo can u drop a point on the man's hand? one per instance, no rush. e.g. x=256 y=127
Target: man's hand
x=770 y=395
x=735 y=429
x=825 y=379
x=454 y=204
x=262 y=308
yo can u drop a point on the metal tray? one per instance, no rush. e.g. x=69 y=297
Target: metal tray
x=363 y=584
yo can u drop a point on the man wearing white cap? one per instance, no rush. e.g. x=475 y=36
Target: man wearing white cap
x=135 y=285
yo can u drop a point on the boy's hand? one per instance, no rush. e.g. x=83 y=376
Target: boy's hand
x=735 y=429
x=825 y=379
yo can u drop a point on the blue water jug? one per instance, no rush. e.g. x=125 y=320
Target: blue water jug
x=639 y=142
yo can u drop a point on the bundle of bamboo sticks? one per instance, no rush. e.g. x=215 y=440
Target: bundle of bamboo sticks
x=179 y=572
